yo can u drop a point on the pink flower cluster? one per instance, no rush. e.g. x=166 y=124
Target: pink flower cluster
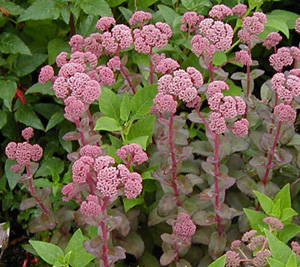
x=297 y=25
x=23 y=153
x=92 y=168
x=252 y=25
x=272 y=40
x=164 y=65
x=132 y=154
x=46 y=74
x=91 y=206
x=139 y=18
x=27 y=133
x=244 y=57
x=220 y=12
x=281 y=59
x=285 y=113
x=225 y=107
x=105 y=23
x=286 y=87
x=182 y=84
x=214 y=36
x=165 y=103
x=240 y=10
x=190 y=20
x=151 y=36
x=184 y=227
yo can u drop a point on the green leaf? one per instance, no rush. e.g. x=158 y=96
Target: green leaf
x=115 y=3
x=220 y=262
x=288 y=232
x=292 y=261
x=146 y=3
x=275 y=263
x=142 y=127
x=56 y=46
x=11 y=7
x=26 y=115
x=265 y=202
x=141 y=140
x=47 y=251
x=125 y=107
x=50 y=163
x=40 y=10
x=168 y=13
x=11 y=176
x=55 y=119
x=3 y=118
x=287 y=214
x=110 y=103
x=142 y=101
x=127 y=13
x=285 y=197
x=219 y=58
x=255 y=218
x=130 y=203
x=107 y=124
x=276 y=210
x=279 y=250
x=278 y=24
x=95 y=7
x=44 y=89
x=80 y=257
x=12 y=44
x=287 y=16
x=27 y=64
x=87 y=25
x=65 y=14
x=8 y=90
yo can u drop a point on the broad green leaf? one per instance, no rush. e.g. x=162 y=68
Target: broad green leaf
x=107 y=124
x=55 y=119
x=79 y=256
x=142 y=101
x=276 y=210
x=47 y=251
x=168 y=13
x=285 y=197
x=110 y=103
x=219 y=58
x=287 y=16
x=115 y=3
x=8 y=90
x=95 y=7
x=130 y=203
x=288 y=232
x=11 y=176
x=125 y=107
x=278 y=24
x=50 y=163
x=255 y=218
x=87 y=25
x=220 y=262
x=56 y=46
x=44 y=89
x=40 y=10
x=292 y=261
x=279 y=250
x=146 y=3
x=11 y=7
x=12 y=44
x=25 y=114
x=265 y=202
x=27 y=64
x=65 y=14
x=42 y=182
x=3 y=118
x=142 y=127
x=127 y=13
x=275 y=263
x=115 y=142
x=287 y=214
x=141 y=140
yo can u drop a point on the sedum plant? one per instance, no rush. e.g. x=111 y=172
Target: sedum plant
x=162 y=154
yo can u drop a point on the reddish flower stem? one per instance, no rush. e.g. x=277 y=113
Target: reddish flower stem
x=104 y=234
x=216 y=182
x=125 y=73
x=248 y=81
x=173 y=157
x=77 y=123
x=32 y=191
x=92 y=123
x=151 y=69
x=271 y=154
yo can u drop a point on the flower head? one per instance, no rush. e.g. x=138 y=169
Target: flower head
x=46 y=74
x=220 y=12
x=285 y=112
x=133 y=185
x=132 y=154
x=240 y=127
x=184 y=227
x=27 y=133
x=217 y=123
x=272 y=40
x=240 y=10
x=281 y=59
x=164 y=102
x=105 y=23
x=297 y=25
x=140 y=17
x=244 y=57
x=91 y=206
